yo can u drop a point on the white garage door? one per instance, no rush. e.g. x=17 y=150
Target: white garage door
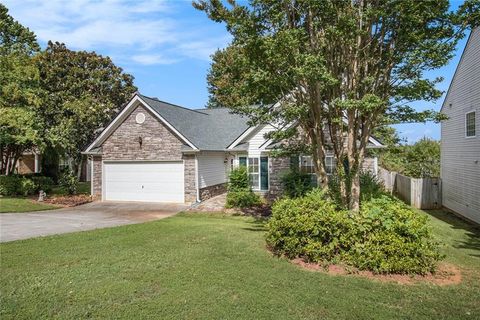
x=144 y=181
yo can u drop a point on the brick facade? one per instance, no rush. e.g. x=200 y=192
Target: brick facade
x=276 y=168
x=212 y=191
x=157 y=143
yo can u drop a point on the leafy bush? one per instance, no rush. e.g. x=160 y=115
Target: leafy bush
x=43 y=183
x=69 y=181
x=310 y=227
x=242 y=199
x=370 y=187
x=238 y=179
x=395 y=239
x=296 y=183
x=9 y=185
x=26 y=187
x=386 y=236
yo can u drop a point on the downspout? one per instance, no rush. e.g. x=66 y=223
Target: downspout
x=197 y=187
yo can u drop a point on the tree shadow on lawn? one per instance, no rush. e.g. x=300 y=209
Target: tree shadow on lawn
x=258 y=224
x=472 y=231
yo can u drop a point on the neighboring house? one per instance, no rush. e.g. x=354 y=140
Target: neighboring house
x=30 y=162
x=460 y=142
x=157 y=151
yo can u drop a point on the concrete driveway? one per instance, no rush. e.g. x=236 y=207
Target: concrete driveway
x=16 y=226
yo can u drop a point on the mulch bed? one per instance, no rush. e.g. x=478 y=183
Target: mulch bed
x=69 y=200
x=447 y=274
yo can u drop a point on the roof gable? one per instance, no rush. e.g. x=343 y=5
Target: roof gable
x=468 y=53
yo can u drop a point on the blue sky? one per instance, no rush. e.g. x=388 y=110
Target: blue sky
x=165 y=45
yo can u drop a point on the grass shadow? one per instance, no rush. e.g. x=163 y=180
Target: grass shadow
x=257 y=224
x=471 y=230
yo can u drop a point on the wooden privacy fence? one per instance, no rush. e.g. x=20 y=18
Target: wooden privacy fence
x=421 y=193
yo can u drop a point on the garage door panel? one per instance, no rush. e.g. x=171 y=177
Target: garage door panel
x=144 y=181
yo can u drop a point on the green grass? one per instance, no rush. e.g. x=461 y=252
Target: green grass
x=21 y=204
x=12 y=204
x=199 y=266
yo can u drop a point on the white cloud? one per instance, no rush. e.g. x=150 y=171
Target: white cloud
x=140 y=28
x=149 y=59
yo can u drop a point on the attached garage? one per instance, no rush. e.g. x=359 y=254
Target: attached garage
x=144 y=181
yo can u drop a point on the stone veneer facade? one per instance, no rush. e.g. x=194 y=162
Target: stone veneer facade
x=277 y=167
x=212 y=191
x=157 y=143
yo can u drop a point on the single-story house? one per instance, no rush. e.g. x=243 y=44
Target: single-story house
x=157 y=151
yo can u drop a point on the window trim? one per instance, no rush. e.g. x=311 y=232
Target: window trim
x=259 y=186
x=313 y=173
x=474 y=123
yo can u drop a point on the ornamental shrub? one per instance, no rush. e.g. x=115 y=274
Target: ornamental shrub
x=242 y=199
x=43 y=183
x=9 y=185
x=26 y=187
x=296 y=183
x=69 y=181
x=386 y=236
x=238 y=179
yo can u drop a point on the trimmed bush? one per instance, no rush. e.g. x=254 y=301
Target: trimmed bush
x=238 y=179
x=386 y=236
x=242 y=199
x=27 y=187
x=296 y=183
x=43 y=183
x=9 y=185
x=69 y=181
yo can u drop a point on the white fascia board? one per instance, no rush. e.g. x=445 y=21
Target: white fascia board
x=122 y=115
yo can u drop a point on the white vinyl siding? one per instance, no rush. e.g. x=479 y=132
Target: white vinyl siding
x=211 y=169
x=256 y=139
x=460 y=156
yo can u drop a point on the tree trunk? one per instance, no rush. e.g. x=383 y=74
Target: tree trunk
x=355 y=191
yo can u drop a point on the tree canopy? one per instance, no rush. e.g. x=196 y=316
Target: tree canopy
x=338 y=68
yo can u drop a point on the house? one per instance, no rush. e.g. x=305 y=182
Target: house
x=156 y=151
x=460 y=135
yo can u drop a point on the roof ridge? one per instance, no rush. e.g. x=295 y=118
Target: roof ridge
x=173 y=105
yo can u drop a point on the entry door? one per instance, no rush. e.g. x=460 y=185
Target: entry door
x=144 y=181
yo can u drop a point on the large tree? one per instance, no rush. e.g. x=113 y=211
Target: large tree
x=344 y=65
x=85 y=90
x=20 y=92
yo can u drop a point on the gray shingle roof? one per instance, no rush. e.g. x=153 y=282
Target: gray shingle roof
x=207 y=129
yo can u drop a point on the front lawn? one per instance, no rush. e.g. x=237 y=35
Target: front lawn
x=12 y=204
x=200 y=266
x=83 y=188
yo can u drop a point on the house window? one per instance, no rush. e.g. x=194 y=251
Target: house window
x=254 y=172
x=307 y=166
x=470 y=124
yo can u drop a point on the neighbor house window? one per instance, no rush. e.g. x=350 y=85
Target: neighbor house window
x=470 y=124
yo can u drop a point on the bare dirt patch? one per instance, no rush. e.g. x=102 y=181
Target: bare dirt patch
x=447 y=274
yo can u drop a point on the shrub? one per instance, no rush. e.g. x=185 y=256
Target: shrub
x=370 y=186
x=396 y=239
x=296 y=183
x=69 y=181
x=242 y=199
x=386 y=236
x=9 y=185
x=238 y=179
x=26 y=187
x=43 y=183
